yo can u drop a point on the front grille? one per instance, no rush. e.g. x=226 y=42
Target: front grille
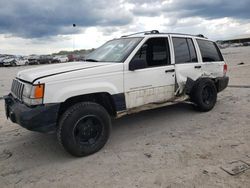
x=17 y=89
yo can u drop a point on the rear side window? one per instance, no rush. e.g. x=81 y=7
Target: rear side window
x=209 y=51
x=184 y=50
x=192 y=51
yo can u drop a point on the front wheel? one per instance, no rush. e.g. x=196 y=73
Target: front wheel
x=204 y=95
x=84 y=128
x=13 y=64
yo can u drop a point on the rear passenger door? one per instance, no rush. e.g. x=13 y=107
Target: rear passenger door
x=187 y=64
x=212 y=59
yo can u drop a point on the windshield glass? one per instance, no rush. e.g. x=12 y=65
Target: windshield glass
x=116 y=50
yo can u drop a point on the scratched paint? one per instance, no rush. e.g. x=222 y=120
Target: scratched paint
x=154 y=105
x=150 y=95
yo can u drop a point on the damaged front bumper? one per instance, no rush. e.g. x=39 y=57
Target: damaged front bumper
x=42 y=118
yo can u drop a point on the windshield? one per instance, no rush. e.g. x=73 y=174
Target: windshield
x=116 y=50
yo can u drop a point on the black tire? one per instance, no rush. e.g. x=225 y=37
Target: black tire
x=204 y=95
x=84 y=128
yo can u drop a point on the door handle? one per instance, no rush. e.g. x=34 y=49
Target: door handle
x=197 y=67
x=171 y=70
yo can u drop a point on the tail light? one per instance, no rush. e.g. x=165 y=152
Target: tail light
x=225 y=69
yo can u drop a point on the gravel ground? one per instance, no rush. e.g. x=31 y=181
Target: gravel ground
x=173 y=146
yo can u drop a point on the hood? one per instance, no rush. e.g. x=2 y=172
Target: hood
x=8 y=60
x=49 y=70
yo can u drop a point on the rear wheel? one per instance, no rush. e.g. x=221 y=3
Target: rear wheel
x=204 y=95
x=84 y=128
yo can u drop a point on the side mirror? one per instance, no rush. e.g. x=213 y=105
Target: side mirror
x=137 y=64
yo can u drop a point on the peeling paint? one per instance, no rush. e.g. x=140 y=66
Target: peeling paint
x=150 y=95
x=173 y=100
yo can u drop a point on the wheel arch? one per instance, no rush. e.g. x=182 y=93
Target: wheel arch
x=190 y=84
x=102 y=98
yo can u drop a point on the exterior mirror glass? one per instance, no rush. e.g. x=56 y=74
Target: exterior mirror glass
x=137 y=64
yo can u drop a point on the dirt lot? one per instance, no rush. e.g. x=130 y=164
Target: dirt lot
x=173 y=146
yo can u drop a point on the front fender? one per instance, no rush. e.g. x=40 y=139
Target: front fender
x=61 y=94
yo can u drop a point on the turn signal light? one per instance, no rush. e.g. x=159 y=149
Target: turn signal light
x=39 y=91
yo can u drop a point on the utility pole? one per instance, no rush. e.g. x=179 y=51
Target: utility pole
x=74 y=25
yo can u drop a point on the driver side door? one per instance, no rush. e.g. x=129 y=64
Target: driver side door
x=155 y=83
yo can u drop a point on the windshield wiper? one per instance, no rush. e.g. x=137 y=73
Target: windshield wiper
x=91 y=60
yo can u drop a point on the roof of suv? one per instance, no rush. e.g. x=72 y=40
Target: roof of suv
x=156 y=32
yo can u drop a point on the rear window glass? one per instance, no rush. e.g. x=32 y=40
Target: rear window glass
x=184 y=50
x=209 y=51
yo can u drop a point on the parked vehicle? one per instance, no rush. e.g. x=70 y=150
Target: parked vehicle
x=33 y=60
x=2 y=58
x=45 y=59
x=60 y=59
x=14 y=61
x=124 y=76
x=71 y=57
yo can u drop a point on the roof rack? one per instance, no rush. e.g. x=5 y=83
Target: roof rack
x=157 y=32
x=200 y=35
x=143 y=32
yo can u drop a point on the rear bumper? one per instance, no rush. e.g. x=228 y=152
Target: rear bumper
x=41 y=118
x=222 y=83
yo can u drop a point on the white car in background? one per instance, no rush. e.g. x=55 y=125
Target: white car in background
x=60 y=59
x=15 y=61
x=1 y=60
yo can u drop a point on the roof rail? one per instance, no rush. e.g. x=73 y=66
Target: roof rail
x=152 y=32
x=144 y=32
x=200 y=35
x=157 y=32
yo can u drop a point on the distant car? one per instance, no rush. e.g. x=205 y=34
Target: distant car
x=22 y=61
x=236 y=44
x=1 y=60
x=33 y=60
x=60 y=59
x=246 y=43
x=45 y=59
x=14 y=61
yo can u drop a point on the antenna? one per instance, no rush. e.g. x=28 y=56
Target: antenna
x=74 y=25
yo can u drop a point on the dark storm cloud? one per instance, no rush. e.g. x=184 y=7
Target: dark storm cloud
x=185 y=8
x=34 y=18
x=46 y=18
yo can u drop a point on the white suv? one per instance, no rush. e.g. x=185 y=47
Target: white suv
x=126 y=75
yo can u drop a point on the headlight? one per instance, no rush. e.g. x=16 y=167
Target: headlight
x=27 y=90
x=33 y=94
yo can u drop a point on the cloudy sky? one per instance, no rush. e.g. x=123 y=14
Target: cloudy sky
x=45 y=26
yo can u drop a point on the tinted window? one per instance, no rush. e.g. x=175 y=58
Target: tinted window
x=155 y=52
x=192 y=51
x=184 y=50
x=209 y=51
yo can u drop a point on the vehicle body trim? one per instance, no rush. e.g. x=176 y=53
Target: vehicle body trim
x=64 y=72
